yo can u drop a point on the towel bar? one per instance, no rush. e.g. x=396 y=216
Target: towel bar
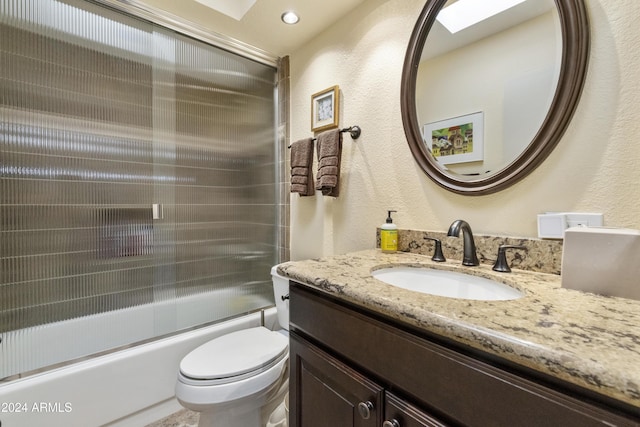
x=354 y=131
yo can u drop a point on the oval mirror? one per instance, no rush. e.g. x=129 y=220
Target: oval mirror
x=483 y=106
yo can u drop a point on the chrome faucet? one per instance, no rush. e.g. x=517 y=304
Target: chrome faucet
x=469 y=246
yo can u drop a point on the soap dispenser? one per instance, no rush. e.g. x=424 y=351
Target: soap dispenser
x=389 y=235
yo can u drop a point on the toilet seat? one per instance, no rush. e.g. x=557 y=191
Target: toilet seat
x=234 y=357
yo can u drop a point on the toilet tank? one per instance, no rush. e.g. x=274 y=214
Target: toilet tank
x=281 y=295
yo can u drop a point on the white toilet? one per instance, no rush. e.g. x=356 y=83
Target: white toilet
x=239 y=379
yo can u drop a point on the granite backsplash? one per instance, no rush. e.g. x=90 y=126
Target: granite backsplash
x=542 y=256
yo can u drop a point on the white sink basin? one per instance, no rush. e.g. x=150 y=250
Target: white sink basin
x=446 y=283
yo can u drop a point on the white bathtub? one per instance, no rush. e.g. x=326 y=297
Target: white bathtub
x=131 y=387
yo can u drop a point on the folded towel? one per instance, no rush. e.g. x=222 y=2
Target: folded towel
x=329 y=145
x=301 y=167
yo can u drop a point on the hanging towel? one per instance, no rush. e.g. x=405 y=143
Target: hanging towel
x=329 y=154
x=301 y=167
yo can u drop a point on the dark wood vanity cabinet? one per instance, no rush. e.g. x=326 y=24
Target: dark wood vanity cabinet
x=329 y=393
x=351 y=368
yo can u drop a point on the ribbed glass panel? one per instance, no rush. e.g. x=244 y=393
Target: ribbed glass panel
x=103 y=118
x=225 y=175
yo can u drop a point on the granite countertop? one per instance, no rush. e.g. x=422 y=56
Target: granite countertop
x=589 y=340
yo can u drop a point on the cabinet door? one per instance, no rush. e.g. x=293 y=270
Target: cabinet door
x=326 y=393
x=399 y=413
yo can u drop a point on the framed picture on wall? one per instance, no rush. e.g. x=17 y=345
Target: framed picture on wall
x=325 y=109
x=456 y=140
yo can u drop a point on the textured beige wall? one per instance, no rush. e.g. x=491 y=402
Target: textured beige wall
x=595 y=168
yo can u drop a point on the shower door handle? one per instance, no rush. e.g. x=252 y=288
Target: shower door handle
x=156 y=211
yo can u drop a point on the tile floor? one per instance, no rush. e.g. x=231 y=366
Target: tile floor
x=183 y=418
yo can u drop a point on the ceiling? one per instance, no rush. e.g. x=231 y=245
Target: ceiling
x=261 y=25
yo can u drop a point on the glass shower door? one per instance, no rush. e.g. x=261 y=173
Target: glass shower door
x=225 y=188
x=137 y=182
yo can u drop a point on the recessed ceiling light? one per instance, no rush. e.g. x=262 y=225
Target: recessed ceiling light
x=465 y=13
x=290 y=18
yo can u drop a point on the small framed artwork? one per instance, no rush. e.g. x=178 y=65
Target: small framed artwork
x=325 y=109
x=456 y=140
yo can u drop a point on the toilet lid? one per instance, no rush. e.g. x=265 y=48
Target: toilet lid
x=234 y=354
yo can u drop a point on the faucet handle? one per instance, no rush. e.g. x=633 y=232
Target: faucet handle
x=501 y=264
x=438 y=256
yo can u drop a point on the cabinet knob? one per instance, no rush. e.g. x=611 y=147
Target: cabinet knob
x=365 y=408
x=392 y=423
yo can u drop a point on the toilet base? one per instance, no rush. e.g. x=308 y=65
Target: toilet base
x=253 y=411
x=280 y=416
x=243 y=416
x=230 y=419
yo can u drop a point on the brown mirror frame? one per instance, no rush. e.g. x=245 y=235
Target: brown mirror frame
x=573 y=69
